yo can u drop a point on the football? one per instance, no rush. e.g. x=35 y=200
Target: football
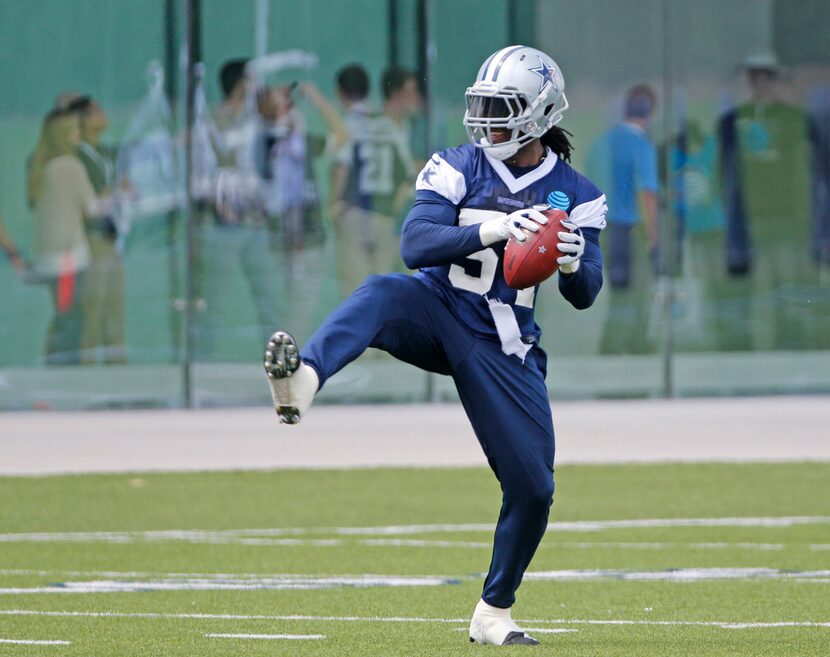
x=528 y=263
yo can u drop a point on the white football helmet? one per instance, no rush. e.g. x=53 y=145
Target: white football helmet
x=518 y=89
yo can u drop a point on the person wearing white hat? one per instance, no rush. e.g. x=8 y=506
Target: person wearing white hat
x=765 y=165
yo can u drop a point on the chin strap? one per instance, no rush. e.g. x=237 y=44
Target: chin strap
x=500 y=151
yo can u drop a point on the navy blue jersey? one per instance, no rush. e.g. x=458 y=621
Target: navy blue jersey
x=478 y=187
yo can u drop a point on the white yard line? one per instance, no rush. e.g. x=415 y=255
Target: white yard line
x=404 y=542
x=308 y=582
x=288 y=582
x=289 y=637
x=253 y=535
x=677 y=575
x=647 y=523
x=35 y=642
x=407 y=619
x=483 y=545
x=589 y=545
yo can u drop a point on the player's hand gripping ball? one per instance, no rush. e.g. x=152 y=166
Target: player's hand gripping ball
x=528 y=263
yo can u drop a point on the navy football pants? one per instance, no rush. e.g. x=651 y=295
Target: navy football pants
x=506 y=401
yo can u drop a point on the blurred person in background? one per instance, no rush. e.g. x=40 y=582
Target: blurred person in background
x=63 y=198
x=401 y=101
x=354 y=230
x=693 y=165
x=770 y=254
x=8 y=245
x=818 y=109
x=62 y=103
x=285 y=154
x=103 y=292
x=233 y=235
x=374 y=175
x=624 y=162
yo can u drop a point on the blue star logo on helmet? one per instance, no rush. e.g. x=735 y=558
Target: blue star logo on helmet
x=545 y=72
x=558 y=200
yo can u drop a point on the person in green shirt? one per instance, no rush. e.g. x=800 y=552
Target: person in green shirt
x=374 y=176
x=765 y=167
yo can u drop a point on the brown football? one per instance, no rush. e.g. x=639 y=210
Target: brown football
x=528 y=263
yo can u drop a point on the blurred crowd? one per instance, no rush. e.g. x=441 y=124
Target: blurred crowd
x=263 y=210
x=749 y=254
x=267 y=193
x=283 y=180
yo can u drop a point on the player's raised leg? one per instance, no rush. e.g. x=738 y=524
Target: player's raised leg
x=508 y=406
x=392 y=312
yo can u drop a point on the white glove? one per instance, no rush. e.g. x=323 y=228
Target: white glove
x=500 y=229
x=572 y=244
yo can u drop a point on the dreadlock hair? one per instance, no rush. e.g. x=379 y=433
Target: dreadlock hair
x=557 y=140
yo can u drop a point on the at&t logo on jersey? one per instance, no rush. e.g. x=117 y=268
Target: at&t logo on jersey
x=558 y=200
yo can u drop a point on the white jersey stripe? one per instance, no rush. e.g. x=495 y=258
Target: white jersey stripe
x=441 y=177
x=518 y=184
x=590 y=214
x=470 y=216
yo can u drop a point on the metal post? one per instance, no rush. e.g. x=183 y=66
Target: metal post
x=171 y=90
x=393 y=11
x=261 y=36
x=668 y=251
x=512 y=27
x=426 y=54
x=193 y=19
x=521 y=22
x=171 y=70
x=424 y=38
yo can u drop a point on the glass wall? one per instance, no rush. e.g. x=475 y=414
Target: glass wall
x=716 y=246
x=748 y=161
x=284 y=250
x=126 y=287
x=90 y=199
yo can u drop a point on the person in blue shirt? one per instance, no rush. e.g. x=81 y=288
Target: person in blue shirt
x=457 y=316
x=624 y=162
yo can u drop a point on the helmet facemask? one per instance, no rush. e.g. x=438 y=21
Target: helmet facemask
x=518 y=96
x=490 y=109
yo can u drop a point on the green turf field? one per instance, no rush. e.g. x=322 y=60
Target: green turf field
x=716 y=560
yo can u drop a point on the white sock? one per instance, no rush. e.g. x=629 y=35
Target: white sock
x=296 y=390
x=491 y=624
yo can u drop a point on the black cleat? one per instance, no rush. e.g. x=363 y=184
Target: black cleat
x=282 y=359
x=519 y=638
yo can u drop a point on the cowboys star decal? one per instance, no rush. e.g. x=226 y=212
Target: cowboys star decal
x=429 y=171
x=544 y=72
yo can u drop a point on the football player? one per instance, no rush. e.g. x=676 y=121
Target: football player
x=458 y=317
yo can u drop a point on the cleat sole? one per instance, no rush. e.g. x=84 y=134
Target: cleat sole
x=281 y=358
x=281 y=361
